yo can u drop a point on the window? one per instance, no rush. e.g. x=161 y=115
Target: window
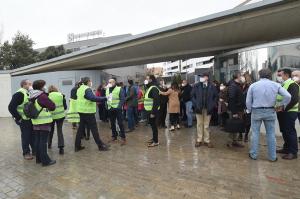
x=199 y=63
x=174 y=67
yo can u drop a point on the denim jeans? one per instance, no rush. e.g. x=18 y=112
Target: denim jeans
x=189 y=112
x=130 y=117
x=268 y=116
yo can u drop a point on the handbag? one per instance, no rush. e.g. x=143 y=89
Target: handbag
x=235 y=125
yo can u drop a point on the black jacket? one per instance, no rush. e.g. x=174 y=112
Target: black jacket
x=197 y=97
x=17 y=99
x=235 y=97
x=294 y=91
x=186 y=93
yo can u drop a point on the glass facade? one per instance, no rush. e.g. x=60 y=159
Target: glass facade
x=251 y=61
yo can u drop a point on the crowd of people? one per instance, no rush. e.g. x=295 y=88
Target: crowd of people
x=239 y=104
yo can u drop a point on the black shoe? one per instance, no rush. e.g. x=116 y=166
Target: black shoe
x=79 y=148
x=282 y=151
x=251 y=157
x=61 y=151
x=290 y=156
x=50 y=163
x=103 y=147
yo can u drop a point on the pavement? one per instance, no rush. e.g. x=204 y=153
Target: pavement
x=174 y=170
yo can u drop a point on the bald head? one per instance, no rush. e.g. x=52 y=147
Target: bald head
x=296 y=76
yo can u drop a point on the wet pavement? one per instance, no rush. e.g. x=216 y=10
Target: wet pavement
x=173 y=170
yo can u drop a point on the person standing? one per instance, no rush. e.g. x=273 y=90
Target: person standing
x=58 y=116
x=222 y=104
x=186 y=98
x=236 y=106
x=261 y=101
x=72 y=114
x=15 y=107
x=86 y=107
x=101 y=105
x=151 y=104
x=163 y=106
x=296 y=78
x=132 y=103
x=141 y=104
x=287 y=115
x=42 y=124
x=115 y=101
x=174 y=105
x=245 y=82
x=204 y=97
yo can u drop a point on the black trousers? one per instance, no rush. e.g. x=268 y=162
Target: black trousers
x=153 y=123
x=162 y=115
x=60 y=137
x=87 y=119
x=174 y=118
x=102 y=112
x=286 y=122
x=27 y=137
x=41 y=138
x=116 y=115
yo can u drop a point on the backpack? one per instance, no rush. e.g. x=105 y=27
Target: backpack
x=30 y=110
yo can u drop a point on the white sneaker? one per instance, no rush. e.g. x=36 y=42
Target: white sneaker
x=172 y=128
x=178 y=126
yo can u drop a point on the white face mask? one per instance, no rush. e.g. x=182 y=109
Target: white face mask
x=91 y=85
x=279 y=79
x=243 y=80
x=202 y=79
x=146 y=82
x=45 y=89
x=109 y=85
x=296 y=79
x=222 y=88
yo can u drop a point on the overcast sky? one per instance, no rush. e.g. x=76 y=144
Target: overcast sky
x=49 y=21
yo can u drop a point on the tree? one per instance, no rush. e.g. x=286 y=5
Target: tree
x=19 y=53
x=5 y=55
x=52 y=52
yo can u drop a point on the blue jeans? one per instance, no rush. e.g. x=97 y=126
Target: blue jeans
x=130 y=117
x=189 y=112
x=268 y=116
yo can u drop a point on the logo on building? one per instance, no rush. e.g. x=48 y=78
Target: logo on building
x=84 y=36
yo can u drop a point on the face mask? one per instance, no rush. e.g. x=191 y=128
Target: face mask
x=296 y=79
x=30 y=88
x=45 y=89
x=202 y=79
x=279 y=79
x=243 y=80
x=91 y=84
x=109 y=85
x=146 y=82
x=222 y=88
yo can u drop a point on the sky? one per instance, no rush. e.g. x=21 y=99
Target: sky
x=48 y=22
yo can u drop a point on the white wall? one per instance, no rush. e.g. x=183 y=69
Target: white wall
x=5 y=94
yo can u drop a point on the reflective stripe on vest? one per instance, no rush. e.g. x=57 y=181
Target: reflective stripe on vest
x=148 y=102
x=84 y=105
x=72 y=115
x=44 y=117
x=20 y=107
x=286 y=85
x=59 y=111
x=114 y=102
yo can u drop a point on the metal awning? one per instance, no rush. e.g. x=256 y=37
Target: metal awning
x=257 y=23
